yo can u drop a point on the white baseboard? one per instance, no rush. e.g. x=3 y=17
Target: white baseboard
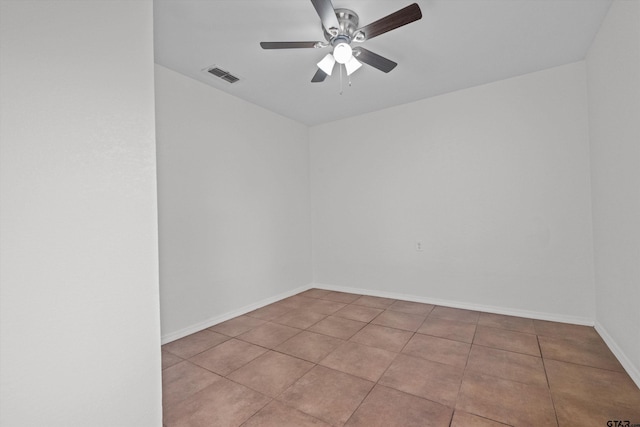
x=576 y=320
x=172 y=336
x=627 y=364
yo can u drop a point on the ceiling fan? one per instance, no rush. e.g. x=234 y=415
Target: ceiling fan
x=341 y=29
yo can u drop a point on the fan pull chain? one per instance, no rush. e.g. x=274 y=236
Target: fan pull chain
x=340 y=78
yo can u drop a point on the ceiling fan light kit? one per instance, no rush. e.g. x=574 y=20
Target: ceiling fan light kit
x=342 y=53
x=340 y=30
x=352 y=65
x=327 y=64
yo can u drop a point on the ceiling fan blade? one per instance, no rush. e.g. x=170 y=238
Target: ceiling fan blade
x=327 y=13
x=319 y=76
x=288 y=45
x=373 y=59
x=397 y=19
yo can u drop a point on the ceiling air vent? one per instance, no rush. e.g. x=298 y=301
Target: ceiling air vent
x=224 y=75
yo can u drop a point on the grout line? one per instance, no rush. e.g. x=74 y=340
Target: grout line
x=544 y=366
x=625 y=373
x=255 y=413
x=465 y=370
x=361 y=402
x=509 y=351
x=408 y=341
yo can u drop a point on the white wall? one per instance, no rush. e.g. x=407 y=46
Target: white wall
x=233 y=184
x=79 y=280
x=494 y=180
x=614 y=125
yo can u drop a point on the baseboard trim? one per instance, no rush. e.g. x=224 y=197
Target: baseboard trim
x=172 y=336
x=576 y=320
x=167 y=338
x=626 y=363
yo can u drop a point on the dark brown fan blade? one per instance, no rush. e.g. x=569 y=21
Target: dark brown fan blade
x=319 y=76
x=397 y=19
x=327 y=13
x=287 y=45
x=373 y=59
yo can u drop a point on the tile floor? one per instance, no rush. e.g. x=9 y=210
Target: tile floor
x=324 y=358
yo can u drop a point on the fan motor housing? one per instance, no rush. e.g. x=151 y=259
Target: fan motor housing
x=348 y=21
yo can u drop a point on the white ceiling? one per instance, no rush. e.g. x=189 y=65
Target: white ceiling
x=457 y=44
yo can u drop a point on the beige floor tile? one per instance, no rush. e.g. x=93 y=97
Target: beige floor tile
x=507 y=340
x=269 y=335
x=375 y=302
x=385 y=407
x=506 y=401
x=359 y=360
x=277 y=414
x=424 y=378
x=463 y=419
x=271 y=373
x=573 y=411
x=309 y=346
x=300 y=318
x=592 y=384
x=457 y=314
x=182 y=380
x=564 y=330
x=512 y=323
x=222 y=404
x=436 y=349
x=358 y=312
x=399 y=320
x=411 y=307
x=237 y=325
x=343 y=297
x=169 y=359
x=228 y=356
x=314 y=293
x=270 y=312
x=449 y=329
x=382 y=337
x=320 y=353
x=325 y=306
x=327 y=394
x=337 y=327
x=588 y=352
x=195 y=343
x=297 y=302
x=507 y=365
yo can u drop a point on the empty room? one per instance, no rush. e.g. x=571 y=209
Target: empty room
x=319 y=213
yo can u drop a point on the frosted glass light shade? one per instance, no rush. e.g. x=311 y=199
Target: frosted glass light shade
x=327 y=64
x=352 y=65
x=342 y=53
